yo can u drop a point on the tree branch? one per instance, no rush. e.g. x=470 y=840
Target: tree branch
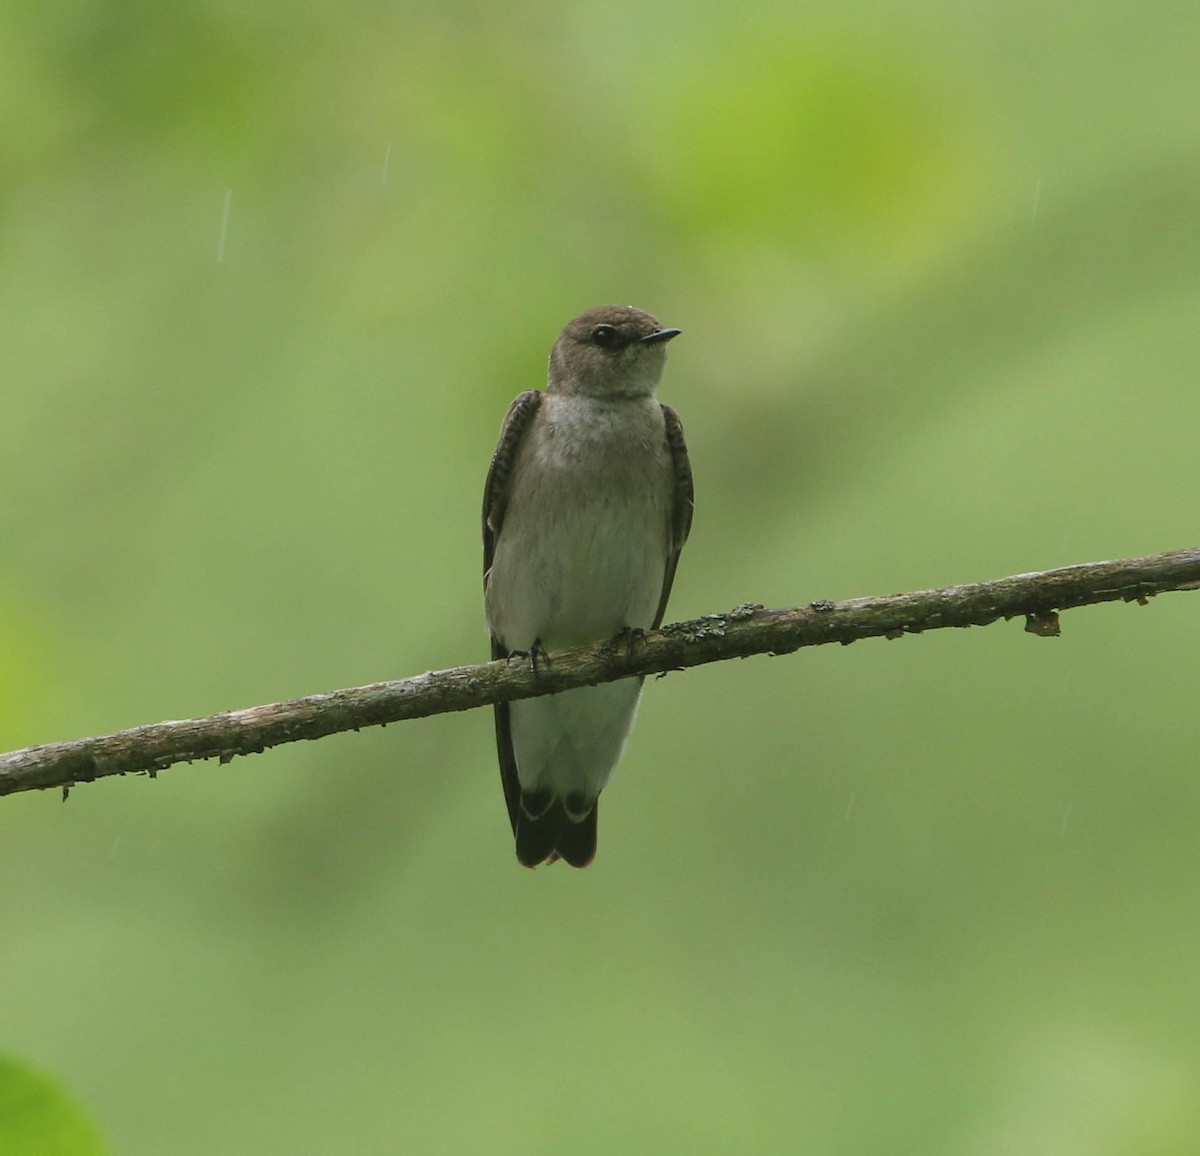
x=741 y=632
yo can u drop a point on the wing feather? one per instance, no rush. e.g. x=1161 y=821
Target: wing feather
x=681 y=507
x=495 y=502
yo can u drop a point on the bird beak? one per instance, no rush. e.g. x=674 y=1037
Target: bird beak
x=659 y=335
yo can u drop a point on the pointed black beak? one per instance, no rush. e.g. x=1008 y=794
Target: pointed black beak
x=660 y=335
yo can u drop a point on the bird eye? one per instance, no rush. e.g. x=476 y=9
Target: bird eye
x=604 y=336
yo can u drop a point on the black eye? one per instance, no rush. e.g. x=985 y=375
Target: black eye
x=604 y=336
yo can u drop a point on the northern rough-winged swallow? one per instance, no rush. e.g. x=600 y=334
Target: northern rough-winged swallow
x=587 y=505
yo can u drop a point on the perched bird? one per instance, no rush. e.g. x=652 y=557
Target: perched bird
x=587 y=505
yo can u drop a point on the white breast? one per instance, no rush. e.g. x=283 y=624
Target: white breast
x=583 y=547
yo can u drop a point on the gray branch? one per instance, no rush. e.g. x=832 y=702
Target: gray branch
x=739 y=633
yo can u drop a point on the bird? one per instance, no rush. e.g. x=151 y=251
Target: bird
x=587 y=505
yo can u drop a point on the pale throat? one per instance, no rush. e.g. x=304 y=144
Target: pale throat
x=622 y=382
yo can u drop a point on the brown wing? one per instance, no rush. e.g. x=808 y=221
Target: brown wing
x=681 y=508
x=495 y=502
x=499 y=478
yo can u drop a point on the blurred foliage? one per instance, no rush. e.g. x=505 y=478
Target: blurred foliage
x=938 y=269
x=37 y=1119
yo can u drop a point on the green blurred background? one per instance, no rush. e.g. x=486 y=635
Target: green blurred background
x=269 y=276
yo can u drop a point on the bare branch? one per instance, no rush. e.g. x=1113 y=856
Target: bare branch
x=738 y=633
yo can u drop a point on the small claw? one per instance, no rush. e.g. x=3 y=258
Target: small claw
x=631 y=636
x=534 y=653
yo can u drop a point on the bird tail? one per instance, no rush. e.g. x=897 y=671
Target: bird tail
x=551 y=832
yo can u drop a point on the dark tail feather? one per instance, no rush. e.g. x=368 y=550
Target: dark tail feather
x=577 y=841
x=508 y=762
x=551 y=834
x=537 y=834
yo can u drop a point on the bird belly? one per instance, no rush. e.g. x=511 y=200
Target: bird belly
x=595 y=577
x=581 y=586
x=581 y=556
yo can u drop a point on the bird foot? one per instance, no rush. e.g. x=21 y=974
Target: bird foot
x=629 y=636
x=536 y=653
